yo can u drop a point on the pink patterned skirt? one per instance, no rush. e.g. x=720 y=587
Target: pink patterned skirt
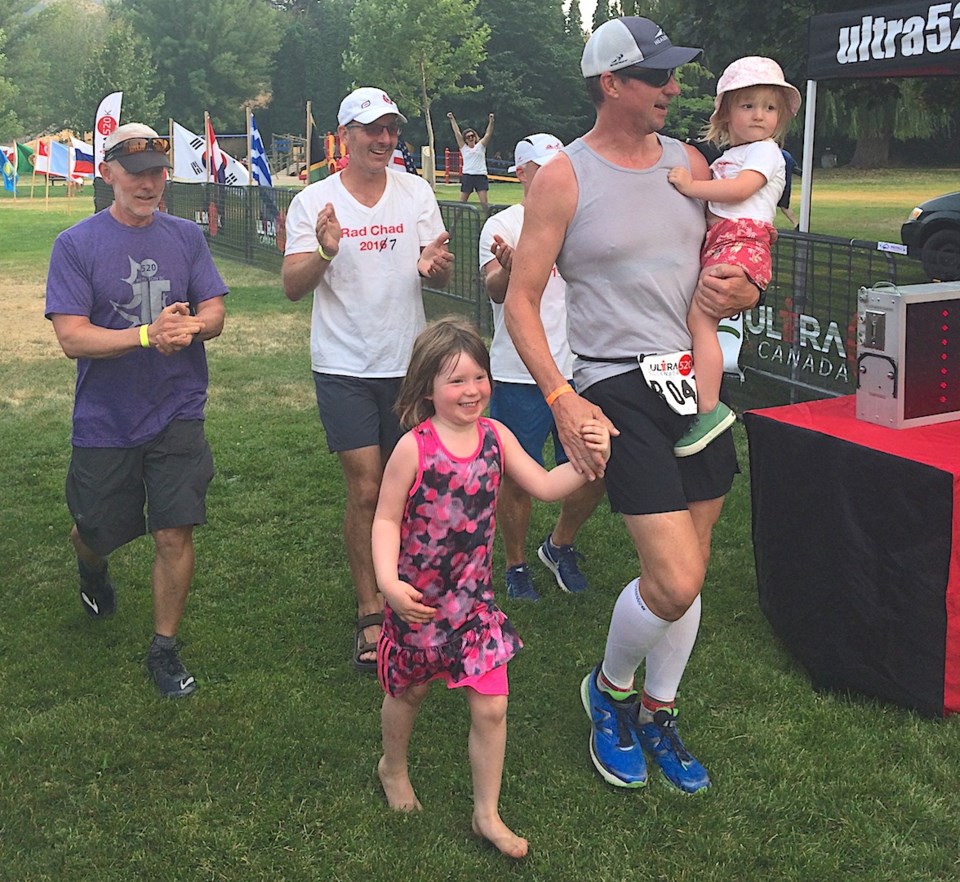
x=742 y=242
x=488 y=642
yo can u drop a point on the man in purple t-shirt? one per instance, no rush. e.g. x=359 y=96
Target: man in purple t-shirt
x=132 y=294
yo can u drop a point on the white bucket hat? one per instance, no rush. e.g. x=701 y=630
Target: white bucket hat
x=754 y=70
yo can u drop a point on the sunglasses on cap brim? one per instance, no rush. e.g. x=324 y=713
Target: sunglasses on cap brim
x=132 y=146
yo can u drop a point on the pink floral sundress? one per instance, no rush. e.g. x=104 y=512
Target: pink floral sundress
x=446 y=548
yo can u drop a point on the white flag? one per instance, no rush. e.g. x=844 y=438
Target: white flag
x=107 y=119
x=189 y=159
x=188 y=153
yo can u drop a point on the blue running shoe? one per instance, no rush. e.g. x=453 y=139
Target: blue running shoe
x=662 y=741
x=519 y=584
x=614 y=746
x=561 y=560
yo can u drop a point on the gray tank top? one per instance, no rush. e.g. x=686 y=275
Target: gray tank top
x=631 y=258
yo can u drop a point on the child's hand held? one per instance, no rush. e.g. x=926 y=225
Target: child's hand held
x=596 y=436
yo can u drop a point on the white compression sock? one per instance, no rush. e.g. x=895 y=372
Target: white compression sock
x=667 y=661
x=634 y=632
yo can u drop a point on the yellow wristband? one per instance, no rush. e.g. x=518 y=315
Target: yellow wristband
x=556 y=393
x=144 y=339
x=323 y=254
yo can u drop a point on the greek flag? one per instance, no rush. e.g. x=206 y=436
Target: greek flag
x=258 y=157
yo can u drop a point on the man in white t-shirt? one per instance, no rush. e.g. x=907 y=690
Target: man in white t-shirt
x=362 y=240
x=517 y=401
x=473 y=149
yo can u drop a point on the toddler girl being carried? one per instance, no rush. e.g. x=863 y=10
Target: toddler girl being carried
x=753 y=110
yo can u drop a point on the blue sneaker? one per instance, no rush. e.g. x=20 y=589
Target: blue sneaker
x=520 y=585
x=662 y=741
x=561 y=560
x=614 y=746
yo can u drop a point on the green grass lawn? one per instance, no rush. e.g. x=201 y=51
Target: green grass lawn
x=267 y=773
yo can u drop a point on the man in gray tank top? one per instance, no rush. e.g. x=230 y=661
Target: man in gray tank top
x=629 y=250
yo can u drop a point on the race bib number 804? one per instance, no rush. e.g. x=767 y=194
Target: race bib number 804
x=672 y=377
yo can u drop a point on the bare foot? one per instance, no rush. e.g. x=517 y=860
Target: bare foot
x=501 y=836
x=398 y=790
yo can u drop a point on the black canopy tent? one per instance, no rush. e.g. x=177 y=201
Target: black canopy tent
x=908 y=39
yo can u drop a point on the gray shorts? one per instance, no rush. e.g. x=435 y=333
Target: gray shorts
x=643 y=475
x=358 y=411
x=108 y=487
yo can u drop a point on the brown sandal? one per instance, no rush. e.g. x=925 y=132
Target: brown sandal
x=363 y=647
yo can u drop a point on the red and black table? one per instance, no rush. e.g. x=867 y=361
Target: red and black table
x=856 y=533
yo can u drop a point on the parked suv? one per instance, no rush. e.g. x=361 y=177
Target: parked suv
x=932 y=234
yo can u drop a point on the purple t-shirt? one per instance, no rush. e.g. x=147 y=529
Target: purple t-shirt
x=120 y=277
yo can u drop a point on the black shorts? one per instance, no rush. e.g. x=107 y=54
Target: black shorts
x=108 y=487
x=469 y=183
x=358 y=411
x=643 y=475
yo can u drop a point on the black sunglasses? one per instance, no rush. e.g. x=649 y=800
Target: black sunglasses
x=137 y=145
x=655 y=77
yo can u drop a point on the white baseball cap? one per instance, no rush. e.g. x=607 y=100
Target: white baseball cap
x=365 y=105
x=632 y=41
x=754 y=70
x=539 y=148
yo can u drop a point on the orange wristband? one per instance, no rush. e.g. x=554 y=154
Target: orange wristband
x=556 y=393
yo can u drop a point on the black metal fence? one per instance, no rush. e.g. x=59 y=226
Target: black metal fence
x=800 y=345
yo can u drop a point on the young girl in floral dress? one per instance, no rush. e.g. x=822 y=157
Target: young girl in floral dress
x=432 y=547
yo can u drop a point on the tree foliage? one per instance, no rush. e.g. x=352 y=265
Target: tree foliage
x=117 y=65
x=9 y=124
x=416 y=50
x=45 y=52
x=309 y=64
x=214 y=56
x=871 y=112
x=531 y=76
x=516 y=58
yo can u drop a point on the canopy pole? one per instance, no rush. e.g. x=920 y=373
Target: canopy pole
x=806 y=177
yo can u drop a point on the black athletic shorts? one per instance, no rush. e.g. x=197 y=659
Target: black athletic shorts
x=358 y=411
x=469 y=183
x=643 y=475
x=108 y=487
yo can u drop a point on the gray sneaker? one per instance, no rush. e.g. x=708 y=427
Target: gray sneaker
x=97 y=595
x=172 y=678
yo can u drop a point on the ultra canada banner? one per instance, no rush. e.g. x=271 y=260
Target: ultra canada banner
x=899 y=40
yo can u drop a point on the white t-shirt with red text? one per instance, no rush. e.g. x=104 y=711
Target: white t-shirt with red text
x=368 y=307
